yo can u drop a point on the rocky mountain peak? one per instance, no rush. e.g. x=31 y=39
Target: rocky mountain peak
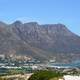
x=39 y=41
x=17 y=23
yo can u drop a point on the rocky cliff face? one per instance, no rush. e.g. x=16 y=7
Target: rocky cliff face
x=39 y=41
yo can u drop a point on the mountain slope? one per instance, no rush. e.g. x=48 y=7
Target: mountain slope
x=39 y=41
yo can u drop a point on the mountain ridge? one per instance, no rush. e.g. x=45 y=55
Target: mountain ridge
x=41 y=41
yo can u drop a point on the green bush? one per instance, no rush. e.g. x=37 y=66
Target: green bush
x=45 y=75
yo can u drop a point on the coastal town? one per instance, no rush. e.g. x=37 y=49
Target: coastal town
x=18 y=66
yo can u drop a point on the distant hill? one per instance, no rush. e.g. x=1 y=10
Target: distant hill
x=39 y=41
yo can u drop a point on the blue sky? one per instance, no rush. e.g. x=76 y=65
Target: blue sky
x=42 y=11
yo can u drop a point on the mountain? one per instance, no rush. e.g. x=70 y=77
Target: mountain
x=39 y=41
